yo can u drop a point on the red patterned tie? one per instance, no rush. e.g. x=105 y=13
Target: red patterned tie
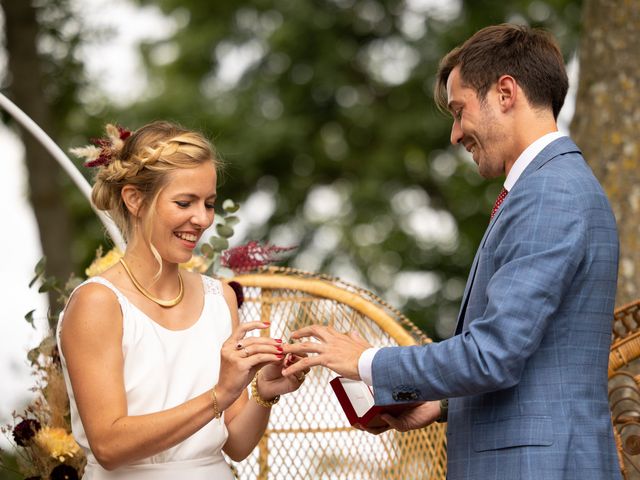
x=499 y=201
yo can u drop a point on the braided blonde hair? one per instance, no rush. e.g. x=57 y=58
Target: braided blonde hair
x=144 y=160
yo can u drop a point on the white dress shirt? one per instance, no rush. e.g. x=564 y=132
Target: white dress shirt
x=526 y=157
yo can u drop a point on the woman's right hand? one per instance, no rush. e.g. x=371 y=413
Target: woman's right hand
x=242 y=357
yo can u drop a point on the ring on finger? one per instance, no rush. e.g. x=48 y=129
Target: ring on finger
x=301 y=377
x=239 y=346
x=246 y=352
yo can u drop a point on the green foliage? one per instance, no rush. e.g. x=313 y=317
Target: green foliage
x=220 y=242
x=51 y=284
x=9 y=467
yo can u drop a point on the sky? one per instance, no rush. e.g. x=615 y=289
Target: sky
x=20 y=244
x=21 y=247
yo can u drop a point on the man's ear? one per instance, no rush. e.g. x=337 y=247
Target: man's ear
x=132 y=199
x=507 y=89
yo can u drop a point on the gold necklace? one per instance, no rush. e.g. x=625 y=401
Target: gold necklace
x=145 y=292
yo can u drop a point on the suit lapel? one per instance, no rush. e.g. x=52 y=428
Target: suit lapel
x=557 y=147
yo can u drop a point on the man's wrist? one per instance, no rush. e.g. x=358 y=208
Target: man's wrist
x=444 y=410
x=364 y=365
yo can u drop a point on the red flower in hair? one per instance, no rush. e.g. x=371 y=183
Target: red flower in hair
x=124 y=133
x=102 y=150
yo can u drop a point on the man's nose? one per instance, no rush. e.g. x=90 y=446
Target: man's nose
x=456 y=133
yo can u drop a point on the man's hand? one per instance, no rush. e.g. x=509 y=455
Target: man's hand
x=418 y=417
x=336 y=351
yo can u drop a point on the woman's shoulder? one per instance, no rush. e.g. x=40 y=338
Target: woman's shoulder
x=96 y=291
x=96 y=294
x=91 y=310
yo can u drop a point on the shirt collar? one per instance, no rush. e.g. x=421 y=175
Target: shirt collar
x=527 y=156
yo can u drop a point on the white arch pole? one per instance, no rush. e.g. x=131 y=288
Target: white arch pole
x=57 y=153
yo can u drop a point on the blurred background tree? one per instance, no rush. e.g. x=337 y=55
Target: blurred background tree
x=323 y=113
x=606 y=121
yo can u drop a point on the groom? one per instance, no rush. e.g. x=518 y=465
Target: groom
x=526 y=371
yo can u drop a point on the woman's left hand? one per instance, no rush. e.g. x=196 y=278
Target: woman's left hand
x=271 y=381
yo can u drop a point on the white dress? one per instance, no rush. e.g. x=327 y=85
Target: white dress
x=164 y=368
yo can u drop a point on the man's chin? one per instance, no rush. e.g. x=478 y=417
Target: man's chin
x=488 y=173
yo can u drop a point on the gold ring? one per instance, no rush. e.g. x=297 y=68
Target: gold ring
x=238 y=346
x=301 y=377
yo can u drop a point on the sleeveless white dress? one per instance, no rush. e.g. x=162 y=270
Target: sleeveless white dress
x=162 y=369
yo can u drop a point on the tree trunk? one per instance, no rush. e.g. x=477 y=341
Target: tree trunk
x=26 y=87
x=605 y=125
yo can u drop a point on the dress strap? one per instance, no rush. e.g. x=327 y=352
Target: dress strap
x=122 y=300
x=212 y=286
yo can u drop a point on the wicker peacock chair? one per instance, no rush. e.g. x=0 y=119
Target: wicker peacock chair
x=308 y=436
x=624 y=387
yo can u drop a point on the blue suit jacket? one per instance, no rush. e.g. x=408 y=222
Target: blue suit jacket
x=527 y=374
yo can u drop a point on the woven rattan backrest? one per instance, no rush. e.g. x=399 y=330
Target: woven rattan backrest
x=624 y=387
x=308 y=436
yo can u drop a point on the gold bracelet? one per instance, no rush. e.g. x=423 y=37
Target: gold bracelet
x=216 y=410
x=256 y=396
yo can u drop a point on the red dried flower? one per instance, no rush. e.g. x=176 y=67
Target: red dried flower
x=103 y=159
x=124 y=133
x=251 y=256
x=25 y=430
x=102 y=150
x=237 y=288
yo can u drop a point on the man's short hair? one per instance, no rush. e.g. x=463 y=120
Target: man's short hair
x=529 y=55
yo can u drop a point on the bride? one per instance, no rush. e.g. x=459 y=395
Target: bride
x=154 y=358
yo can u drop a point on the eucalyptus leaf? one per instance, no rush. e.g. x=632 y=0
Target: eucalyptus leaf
x=219 y=244
x=41 y=266
x=206 y=250
x=231 y=220
x=48 y=285
x=72 y=283
x=34 y=280
x=39 y=270
x=29 y=318
x=224 y=231
x=230 y=206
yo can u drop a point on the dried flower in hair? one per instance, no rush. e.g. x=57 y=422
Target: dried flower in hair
x=251 y=256
x=25 y=431
x=64 y=472
x=237 y=288
x=103 y=150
